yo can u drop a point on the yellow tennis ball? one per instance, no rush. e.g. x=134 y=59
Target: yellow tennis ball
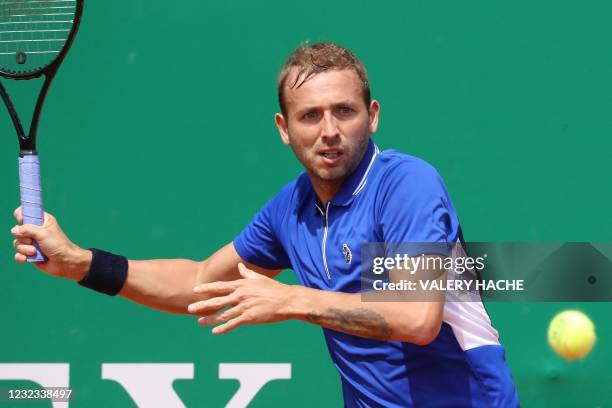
x=571 y=334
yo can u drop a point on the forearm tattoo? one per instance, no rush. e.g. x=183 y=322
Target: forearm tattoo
x=359 y=322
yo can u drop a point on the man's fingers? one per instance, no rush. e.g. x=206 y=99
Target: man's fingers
x=26 y=249
x=221 y=316
x=231 y=325
x=22 y=241
x=212 y=305
x=18 y=215
x=27 y=231
x=217 y=288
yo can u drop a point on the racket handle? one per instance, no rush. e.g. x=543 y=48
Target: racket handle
x=31 y=197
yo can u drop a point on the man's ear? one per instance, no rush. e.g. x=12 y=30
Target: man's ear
x=374 y=112
x=281 y=125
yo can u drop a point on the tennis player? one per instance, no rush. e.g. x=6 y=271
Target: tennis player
x=388 y=353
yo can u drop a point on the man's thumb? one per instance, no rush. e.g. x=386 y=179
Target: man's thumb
x=246 y=272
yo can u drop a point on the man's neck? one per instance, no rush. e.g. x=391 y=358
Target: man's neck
x=325 y=189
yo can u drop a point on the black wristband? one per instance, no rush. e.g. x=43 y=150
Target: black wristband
x=107 y=272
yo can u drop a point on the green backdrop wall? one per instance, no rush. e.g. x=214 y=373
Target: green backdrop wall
x=157 y=140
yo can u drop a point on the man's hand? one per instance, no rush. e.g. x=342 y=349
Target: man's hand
x=255 y=299
x=65 y=259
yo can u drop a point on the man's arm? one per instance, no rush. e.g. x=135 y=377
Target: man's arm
x=256 y=299
x=163 y=284
x=416 y=322
x=167 y=284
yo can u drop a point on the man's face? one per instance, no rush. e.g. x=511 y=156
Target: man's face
x=328 y=124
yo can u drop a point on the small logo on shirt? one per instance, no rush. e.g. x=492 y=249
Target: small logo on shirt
x=346 y=251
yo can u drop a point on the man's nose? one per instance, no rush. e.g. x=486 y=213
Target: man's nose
x=329 y=126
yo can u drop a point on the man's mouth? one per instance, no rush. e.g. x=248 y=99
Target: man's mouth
x=331 y=155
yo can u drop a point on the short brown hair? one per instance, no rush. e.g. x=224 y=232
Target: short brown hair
x=310 y=60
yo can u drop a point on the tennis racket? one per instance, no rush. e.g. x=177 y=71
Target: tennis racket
x=35 y=36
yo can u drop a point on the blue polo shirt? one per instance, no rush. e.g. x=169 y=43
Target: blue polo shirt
x=390 y=197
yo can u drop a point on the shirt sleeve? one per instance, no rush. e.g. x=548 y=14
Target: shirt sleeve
x=416 y=212
x=259 y=242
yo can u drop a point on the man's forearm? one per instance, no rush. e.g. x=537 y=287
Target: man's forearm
x=163 y=284
x=256 y=299
x=415 y=322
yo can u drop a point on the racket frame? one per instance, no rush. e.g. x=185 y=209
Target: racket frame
x=29 y=166
x=27 y=143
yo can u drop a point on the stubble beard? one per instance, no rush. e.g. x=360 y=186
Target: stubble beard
x=338 y=174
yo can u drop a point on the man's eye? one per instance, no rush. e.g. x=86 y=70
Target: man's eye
x=311 y=116
x=345 y=110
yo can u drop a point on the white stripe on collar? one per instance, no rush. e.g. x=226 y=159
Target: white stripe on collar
x=319 y=208
x=364 y=180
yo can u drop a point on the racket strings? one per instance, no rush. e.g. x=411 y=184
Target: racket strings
x=33 y=32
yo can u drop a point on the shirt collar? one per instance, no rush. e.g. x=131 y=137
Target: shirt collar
x=355 y=182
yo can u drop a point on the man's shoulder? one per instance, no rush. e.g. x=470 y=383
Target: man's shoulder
x=396 y=165
x=298 y=183
x=409 y=183
x=294 y=190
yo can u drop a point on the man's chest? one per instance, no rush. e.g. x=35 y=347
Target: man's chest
x=325 y=249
